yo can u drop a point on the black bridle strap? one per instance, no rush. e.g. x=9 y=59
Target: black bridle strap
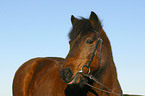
x=93 y=54
x=101 y=43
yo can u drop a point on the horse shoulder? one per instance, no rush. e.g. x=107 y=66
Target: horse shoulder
x=27 y=73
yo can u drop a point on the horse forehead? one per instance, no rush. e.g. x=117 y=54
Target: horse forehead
x=80 y=38
x=83 y=35
x=81 y=27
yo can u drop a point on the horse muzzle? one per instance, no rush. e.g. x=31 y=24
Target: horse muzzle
x=67 y=76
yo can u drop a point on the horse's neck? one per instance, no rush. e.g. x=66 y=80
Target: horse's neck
x=107 y=66
x=107 y=74
x=108 y=77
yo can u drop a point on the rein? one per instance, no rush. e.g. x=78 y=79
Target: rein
x=96 y=81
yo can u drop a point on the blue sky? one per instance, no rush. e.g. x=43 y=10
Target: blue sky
x=34 y=28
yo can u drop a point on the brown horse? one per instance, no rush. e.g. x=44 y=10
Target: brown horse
x=88 y=69
x=85 y=57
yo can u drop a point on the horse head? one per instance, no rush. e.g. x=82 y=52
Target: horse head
x=83 y=39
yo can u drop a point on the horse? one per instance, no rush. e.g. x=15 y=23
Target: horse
x=87 y=70
x=90 y=61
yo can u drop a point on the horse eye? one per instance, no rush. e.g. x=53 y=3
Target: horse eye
x=89 y=41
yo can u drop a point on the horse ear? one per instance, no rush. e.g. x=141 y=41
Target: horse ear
x=73 y=20
x=94 y=20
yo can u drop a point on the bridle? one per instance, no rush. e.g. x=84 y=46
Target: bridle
x=99 y=40
x=93 y=54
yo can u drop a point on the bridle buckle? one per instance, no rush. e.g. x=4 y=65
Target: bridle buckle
x=85 y=66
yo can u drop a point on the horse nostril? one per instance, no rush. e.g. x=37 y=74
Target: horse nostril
x=68 y=72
